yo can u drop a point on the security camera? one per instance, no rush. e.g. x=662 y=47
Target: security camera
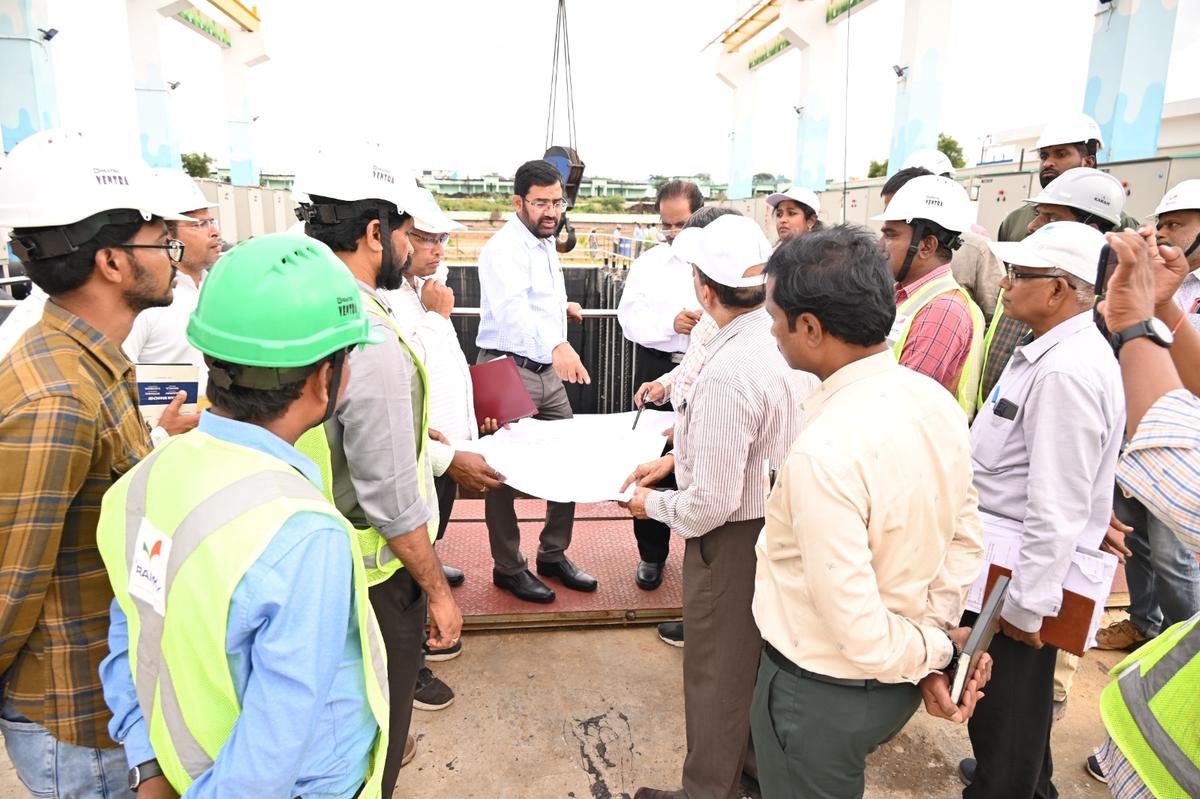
x=899 y=70
x=174 y=84
x=799 y=109
x=47 y=35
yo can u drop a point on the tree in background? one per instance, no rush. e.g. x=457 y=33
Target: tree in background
x=952 y=150
x=198 y=165
x=764 y=177
x=877 y=169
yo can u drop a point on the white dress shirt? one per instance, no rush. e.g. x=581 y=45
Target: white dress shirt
x=657 y=287
x=1051 y=465
x=159 y=335
x=1186 y=296
x=24 y=316
x=522 y=296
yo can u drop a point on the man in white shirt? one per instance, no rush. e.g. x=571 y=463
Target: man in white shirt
x=523 y=315
x=657 y=312
x=1044 y=449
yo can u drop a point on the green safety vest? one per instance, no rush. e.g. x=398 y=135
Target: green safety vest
x=987 y=347
x=379 y=560
x=1152 y=711
x=972 y=371
x=177 y=534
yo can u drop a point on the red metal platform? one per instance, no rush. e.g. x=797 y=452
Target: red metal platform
x=602 y=545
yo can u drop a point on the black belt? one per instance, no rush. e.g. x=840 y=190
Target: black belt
x=523 y=362
x=783 y=663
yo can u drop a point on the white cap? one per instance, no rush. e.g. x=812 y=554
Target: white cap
x=58 y=177
x=1070 y=129
x=1184 y=197
x=796 y=194
x=935 y=161
x=1072 y=247
x=1086 y=189
x=353 y=171
x=181 y=191
x=724 y=249
x=931 y=197
x=428 y=215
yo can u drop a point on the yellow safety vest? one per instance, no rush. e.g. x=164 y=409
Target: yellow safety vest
x=987 y=347
x=972 y=370
x=177 y=533
x=1152 y=711
x=379 y=560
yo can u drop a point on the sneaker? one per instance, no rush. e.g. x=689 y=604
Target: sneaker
x=671 y=632
x=438 y=655
x=410 y=751
x=432 y=693
x=966 y=770
x=1121 y=635
x=1092 y=767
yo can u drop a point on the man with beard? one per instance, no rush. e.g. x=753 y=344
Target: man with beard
x=375 y=447
x=523 y=315
x=657 y=312
x=88 y=226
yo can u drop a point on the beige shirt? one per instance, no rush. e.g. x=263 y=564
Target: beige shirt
x=978 y=270
x=872 y=534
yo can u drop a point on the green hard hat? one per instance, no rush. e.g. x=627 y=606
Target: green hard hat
x=283 y=300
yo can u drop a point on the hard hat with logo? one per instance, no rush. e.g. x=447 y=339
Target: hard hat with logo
x=428 y=215
x=1072 y=247
x=796 y=194
x=1089 y=190
x=931 y=197
x=724 y=249
x=935 y=161
x=58 y=188
x=1071 y=129
x=1185 y=196
x=352 y=173
x=181 y=191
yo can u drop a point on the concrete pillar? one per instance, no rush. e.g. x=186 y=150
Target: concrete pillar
x=1131 y=48
x=27 y=100
x=734 y=72
x=159 y=146
x=247 y=51
x=924 y=44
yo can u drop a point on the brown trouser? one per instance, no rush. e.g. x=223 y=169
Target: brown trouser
x=720 y=661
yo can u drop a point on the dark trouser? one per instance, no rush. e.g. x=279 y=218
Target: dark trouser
x=653 y=537
x=812 y=738
x=399 y=605
x=550 y=397
x=447 y=492
x=720 y=658
x=1010 y=731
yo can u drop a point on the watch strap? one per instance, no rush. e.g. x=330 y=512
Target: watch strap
x=1145 y=328
x=142 y=772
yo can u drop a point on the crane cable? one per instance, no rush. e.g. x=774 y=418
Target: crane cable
x=562 y=54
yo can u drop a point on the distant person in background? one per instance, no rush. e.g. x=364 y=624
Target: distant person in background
x=637 y=239
x=795 y=212
x=591 y=244
x=616 y=246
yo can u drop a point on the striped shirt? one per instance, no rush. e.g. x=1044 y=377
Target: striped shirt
x=678 y=382
x=939 y=339
x=1161 y=464
x=1123 y=780
x=69 y=426
x=744 y=409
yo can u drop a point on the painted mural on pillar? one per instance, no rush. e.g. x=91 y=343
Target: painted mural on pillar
x=28 y=102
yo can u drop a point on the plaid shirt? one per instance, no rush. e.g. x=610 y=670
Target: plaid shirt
x=69 y=426
x=1005 y=338
x=939 y=339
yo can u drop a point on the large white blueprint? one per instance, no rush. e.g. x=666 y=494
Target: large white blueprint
x=584 y=459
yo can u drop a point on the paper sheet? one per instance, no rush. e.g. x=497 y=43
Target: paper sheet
x=584 y=459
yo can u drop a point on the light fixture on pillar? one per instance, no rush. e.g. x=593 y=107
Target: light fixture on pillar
x=799 y=109
x=174 y=84
x=48 y=33
x=900 y=71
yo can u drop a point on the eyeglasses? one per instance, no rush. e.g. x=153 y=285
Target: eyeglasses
x=542 y=205
x=1013 y=275
x=174 y=248
x=674 y=226
x=200 y=224
x=427 y=240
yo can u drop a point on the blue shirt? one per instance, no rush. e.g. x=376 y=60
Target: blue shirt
x=523 y=300
x=305 y=728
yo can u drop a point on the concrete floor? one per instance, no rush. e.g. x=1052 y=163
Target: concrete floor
x=596 y=713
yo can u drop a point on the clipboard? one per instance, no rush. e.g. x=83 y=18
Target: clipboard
x=1070 y=628
x=499 y=392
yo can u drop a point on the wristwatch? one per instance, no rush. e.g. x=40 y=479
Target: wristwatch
x=954 y=653
x=1154 y=329
x=142 y=772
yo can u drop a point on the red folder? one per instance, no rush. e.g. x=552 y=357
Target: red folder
x=499 y=392
x=1069 y=629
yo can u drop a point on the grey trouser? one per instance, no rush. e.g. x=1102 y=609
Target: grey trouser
x=548 y=394
x=721 y=657
x=399 y=605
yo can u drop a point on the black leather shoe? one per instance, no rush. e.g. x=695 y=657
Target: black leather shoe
x=966 y=770
x=571 y=575
x=454 y=576
x=649 y=575
x=524 y=586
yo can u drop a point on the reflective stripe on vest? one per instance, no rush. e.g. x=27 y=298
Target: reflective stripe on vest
x=972 y=368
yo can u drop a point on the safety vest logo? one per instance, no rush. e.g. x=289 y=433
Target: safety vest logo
x=148 y=577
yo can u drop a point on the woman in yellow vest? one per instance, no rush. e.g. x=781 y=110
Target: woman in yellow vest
x=245 y=658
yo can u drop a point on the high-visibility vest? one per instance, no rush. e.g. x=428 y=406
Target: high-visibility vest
x=177 y=534
x=379 y=560
x=972 y=370
x=987 y=347
x=1152 y=711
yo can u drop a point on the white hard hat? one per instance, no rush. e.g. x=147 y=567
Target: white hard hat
x=181 y=192
x=1086 y=189
x=428 y=215
x=796 y=194
x=1184 y=197
x=1070 y=129
x=724 y=249
x=931 y=197
x=351 y=172
x=56 y=178
x=1070 y=246
x=935 y=161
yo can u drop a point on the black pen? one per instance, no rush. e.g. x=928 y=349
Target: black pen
x=639 y=415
